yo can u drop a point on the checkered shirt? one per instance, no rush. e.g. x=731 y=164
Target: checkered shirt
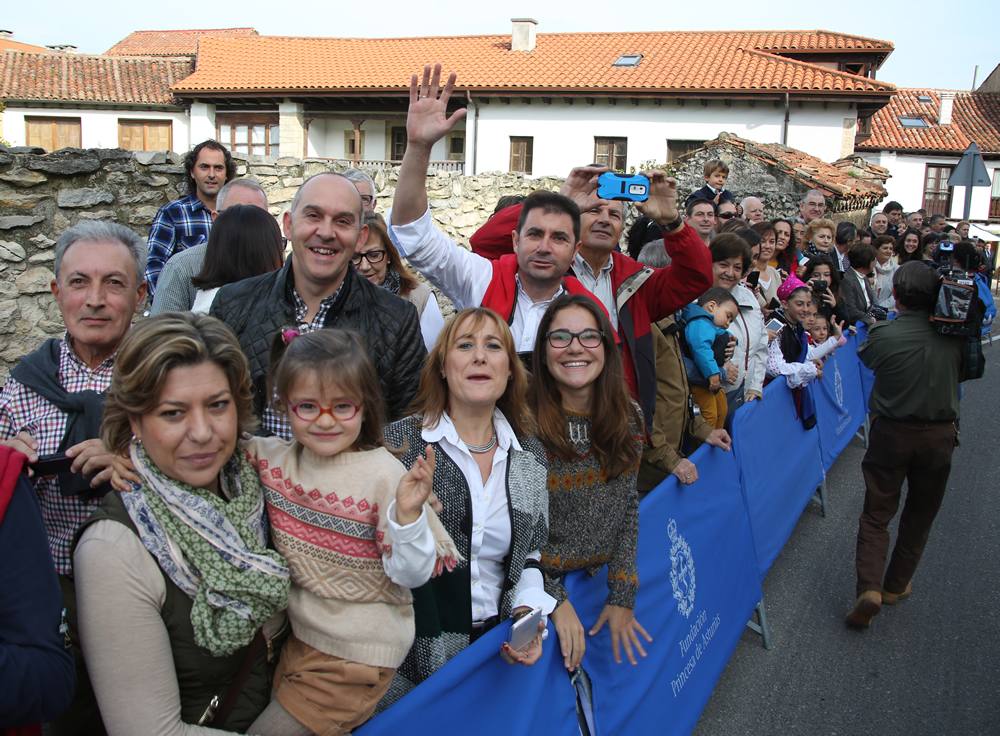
x=178 y=225
x=22 y=410
x=273 y=422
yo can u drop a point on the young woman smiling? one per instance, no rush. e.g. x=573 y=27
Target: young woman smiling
x=591 y=431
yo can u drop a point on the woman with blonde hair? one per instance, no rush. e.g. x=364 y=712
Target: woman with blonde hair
x=178 y=592
x=819 y=237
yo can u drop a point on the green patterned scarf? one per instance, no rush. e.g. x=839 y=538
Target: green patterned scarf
x=212 y=549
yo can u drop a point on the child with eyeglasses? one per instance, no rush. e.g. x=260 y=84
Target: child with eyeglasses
x=356 y=529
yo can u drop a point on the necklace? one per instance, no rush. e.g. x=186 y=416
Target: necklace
x=482 y=449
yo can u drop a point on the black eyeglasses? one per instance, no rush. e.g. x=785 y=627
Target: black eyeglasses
x=726 y=215
x=589 y=338
x=367 y=199
x=372 y=256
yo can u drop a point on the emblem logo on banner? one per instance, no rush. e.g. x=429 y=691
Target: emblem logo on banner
x=682 y=578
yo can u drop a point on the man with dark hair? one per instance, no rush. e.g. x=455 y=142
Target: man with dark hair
x=700 y=215
x=843 y=239
x=894 y=212
x=186 y=222
x=318 y=287
x=856 y=292
x=914 y=404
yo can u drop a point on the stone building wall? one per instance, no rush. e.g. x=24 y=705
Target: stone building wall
x=41 y=195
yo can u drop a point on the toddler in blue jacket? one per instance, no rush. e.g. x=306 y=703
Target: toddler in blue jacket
x=706 y=325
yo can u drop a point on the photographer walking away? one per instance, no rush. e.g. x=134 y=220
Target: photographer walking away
x=913 y=435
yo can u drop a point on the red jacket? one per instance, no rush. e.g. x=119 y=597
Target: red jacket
x=643 y=295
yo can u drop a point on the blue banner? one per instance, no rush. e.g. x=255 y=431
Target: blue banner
x=780 y=468
x=867 y=376
x=840 y=401
x=477 y=692
x=698 y=587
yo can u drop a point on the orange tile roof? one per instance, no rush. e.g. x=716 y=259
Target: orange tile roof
x=813 y=41
x=171 y=43
x=852 y=182
x=95 y=79
x=9 y=44
x=975 y=117
x=684 y=62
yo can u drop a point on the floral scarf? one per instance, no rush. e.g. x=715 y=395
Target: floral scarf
x=214 y=550
x=392 y=282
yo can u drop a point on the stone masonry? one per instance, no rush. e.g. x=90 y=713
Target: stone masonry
x=41 y=195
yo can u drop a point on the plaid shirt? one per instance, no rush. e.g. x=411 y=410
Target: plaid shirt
x=273 y=422
x=22 y=410
x=177 y=226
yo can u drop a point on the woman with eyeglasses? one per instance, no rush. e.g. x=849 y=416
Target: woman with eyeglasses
x=592 y=433
x=379 y=262
x=490 y=480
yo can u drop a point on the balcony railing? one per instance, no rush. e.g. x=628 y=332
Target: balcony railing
x=373 y=164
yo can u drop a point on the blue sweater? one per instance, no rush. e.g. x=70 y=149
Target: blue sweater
x=37 y=674
x=701 y=334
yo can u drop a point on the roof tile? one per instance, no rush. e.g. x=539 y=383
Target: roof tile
x=975 y=117
x=171 y=43
x=719 y=61
x=100 y=79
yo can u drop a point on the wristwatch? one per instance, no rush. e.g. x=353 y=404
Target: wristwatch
x=673 y=225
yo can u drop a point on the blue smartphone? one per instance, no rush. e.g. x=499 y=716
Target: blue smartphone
x=627 y=187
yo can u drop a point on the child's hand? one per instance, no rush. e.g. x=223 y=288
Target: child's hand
x=714 y=384
x=836 y=327
x=415 y=488
x=819 y=368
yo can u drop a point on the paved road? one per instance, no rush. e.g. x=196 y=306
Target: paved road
x=928 y=666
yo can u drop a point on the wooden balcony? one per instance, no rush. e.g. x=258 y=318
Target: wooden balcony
x=372 y=164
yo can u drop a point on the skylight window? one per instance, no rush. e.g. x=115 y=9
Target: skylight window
x=913 y=122
x=924 y=98
x=628 y=60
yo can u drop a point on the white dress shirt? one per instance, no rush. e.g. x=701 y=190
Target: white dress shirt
x=463 y=276
x=491 y=532
x=599 y=284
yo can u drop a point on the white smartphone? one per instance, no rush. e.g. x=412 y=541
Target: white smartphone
x=524 y=630
x=774 y=325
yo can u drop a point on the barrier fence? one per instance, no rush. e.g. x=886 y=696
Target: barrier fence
x=703 y=553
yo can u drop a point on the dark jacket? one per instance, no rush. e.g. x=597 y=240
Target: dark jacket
x=36 y=668
x=852 y=300
x=258 y=307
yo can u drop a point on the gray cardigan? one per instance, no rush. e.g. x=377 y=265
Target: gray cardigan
x=174 y=290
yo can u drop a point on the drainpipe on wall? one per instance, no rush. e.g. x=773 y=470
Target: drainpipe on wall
x=784 y=126
x=475 y=129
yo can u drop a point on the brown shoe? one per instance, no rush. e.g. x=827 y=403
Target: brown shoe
x=866 y=607
x=891 y=599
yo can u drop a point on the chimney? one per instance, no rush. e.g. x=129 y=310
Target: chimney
x=522 y=37
x=6 y=34
x=62 y=48
x=947 y=102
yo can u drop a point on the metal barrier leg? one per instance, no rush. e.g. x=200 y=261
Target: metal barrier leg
x=760 y=626
x=862 y=434
x=820 y=497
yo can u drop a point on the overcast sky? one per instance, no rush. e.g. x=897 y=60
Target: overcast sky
x=937 y=45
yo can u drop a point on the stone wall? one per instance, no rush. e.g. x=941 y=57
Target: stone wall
x=41 y=195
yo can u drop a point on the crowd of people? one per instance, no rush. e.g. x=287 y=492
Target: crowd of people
x=296 y=490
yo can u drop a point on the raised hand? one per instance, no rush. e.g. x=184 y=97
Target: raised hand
x=581 y=186
x=662 y=203
x=415 y=488
x=427 y=120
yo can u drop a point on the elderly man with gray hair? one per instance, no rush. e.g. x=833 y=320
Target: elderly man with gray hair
x=812 y=206
x=753 y=210
x=53 y=402
x=365 y=186
x=174 y=290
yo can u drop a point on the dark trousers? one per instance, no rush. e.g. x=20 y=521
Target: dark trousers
x=82 y=717
x=919 y=453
